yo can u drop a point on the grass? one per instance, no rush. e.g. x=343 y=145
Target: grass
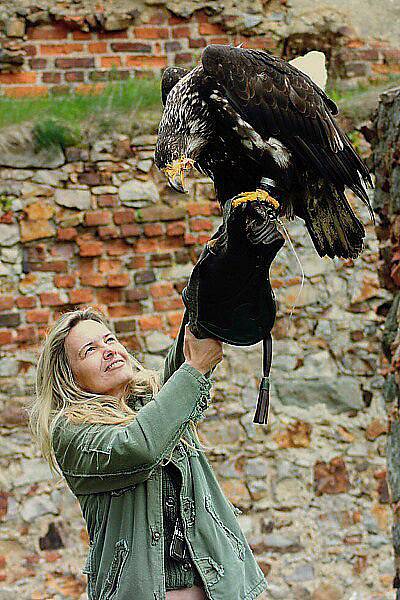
x=133 y=106
x=128 y=106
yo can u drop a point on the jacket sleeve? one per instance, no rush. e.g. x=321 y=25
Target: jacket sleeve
x=175 y=357
x=99 y=458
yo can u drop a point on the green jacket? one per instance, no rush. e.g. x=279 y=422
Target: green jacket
x=115 y=472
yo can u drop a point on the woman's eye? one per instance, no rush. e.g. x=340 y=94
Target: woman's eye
x=90 y=348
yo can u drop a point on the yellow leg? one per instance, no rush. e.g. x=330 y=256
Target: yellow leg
x=260 y=195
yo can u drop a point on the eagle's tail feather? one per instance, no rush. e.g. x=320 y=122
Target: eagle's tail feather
x=332 y=224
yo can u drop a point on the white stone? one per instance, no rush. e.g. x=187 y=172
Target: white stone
x=157 y=341
x=37 y=506
x=9 y=234
x=138 y=193
x=73 y=198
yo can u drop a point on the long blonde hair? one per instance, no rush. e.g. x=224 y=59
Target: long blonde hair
x=57 y=394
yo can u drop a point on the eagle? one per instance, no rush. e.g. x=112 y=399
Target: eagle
x=262 y=130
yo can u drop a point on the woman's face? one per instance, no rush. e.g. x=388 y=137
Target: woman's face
x=92 y=349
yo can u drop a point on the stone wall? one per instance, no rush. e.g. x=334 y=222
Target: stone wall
x=57 y=48
x=101 y=228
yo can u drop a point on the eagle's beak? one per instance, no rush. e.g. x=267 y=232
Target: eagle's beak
x=175 y=173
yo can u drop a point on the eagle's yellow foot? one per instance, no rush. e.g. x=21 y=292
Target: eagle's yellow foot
x=260 y=195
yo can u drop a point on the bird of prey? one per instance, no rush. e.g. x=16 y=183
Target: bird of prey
x=262 y=130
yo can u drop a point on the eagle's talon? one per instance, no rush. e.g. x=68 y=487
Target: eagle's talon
x=260 y=195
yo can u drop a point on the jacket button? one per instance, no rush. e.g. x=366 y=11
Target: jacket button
x=170 y=501
x=186 y=566
x=156 y=535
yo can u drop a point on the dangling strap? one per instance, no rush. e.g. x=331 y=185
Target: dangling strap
x=262 y=410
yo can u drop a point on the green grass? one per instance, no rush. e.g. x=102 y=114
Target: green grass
x=127 y=106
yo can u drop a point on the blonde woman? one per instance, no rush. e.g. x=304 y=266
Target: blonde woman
x=125 y=440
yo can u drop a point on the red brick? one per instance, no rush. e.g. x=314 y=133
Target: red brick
x=155 y=62
x=80 y=296
x=37 y=63
x=26 y=334
x=5 y=338
x=64 y=281
x=118 y=280
x=6 y=302
x=108 y=266
x=51 y=77
x=74 y=76
x=130 y=230
x=150 y=323
x=98 y=47
x=30 y=50
x=82 y=35
x=200 y=224
x=66 y=233
x=177 y=228
x=137 y=262
x=74 y=63
x=90 y=248
x=59 y=49
x=176 y=20
x=93 y=279
x=55 y=266
x=57 y=31
x=126 y=215
x=50 y=299
x=171 y=243
x=112 y=35
x=125 y=310
x=190 y=239
x=153 y=229
x=137 y=293
x=107 y=200
x=181 y=32
x=118 y=247
x=110 y=61
x=175 y=318
x=159 y=290
x=222 y=39
x=26 y=302
x=145 y=245
x=97 y=217
x=168 y=304
x=108 y=232
x=38 y=315
x=109 y=296
x=24 y=91
x=197 y=43
x=131 y=47
x=210 y=29
x=21 y=77
x=196 y=208
x=151 y=33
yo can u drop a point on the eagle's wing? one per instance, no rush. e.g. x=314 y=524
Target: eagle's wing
x=278 y=100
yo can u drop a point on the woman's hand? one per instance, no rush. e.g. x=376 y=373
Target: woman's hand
x=202 y=354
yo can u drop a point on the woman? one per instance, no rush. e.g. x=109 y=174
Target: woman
x=159 y=524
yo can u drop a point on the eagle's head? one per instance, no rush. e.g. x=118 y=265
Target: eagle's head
x=185 y=129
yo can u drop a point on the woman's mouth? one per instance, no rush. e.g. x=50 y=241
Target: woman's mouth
x=115 y=364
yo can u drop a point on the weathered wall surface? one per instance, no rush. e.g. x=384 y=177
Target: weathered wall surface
x=47 y=47
x=386 y=152
x=102 y=229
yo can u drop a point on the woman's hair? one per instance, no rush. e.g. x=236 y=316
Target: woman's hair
x=57 y=394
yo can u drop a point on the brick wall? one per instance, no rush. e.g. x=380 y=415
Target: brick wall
x=103 y=229
x=76 y=52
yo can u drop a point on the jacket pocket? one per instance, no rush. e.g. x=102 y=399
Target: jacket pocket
x=112 y=581
x=236 y=543
x=89 y=571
